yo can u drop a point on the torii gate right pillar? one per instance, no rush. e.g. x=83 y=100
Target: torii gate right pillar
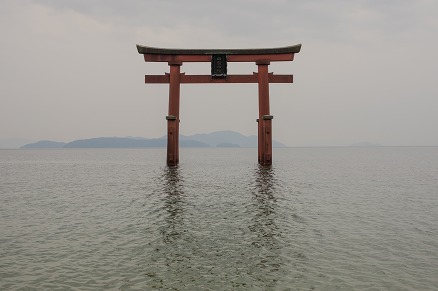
x=173 y=117
x=265 y=119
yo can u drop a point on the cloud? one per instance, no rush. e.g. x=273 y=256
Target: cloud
x=364 y=66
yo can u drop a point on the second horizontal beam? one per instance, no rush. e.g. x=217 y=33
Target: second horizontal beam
x=203 y=79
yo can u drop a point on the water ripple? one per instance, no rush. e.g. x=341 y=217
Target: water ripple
x=318 y=219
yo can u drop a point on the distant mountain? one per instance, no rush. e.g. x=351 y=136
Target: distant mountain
x=214 y=139
x=113 y=142
x=124 y=142
x=44 y=144
x=227 y=145
x=218 y=138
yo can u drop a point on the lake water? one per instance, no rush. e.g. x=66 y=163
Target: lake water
x=319 y=219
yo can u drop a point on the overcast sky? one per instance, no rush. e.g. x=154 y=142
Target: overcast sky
x=367 y=70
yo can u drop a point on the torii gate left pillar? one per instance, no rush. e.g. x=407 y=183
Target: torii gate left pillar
x=218 y=60
x=173 y=116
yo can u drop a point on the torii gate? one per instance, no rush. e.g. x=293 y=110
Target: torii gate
x=218 y=59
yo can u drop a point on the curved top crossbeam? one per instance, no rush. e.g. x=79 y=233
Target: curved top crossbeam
x=259 y=51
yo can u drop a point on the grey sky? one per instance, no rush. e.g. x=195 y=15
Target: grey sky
x=366 y=71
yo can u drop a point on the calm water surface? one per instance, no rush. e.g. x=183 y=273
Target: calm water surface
x=319 y=219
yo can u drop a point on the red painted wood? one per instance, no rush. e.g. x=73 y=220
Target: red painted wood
x=157 y=79
x=207 y=58
x=208 y=79
x=280 y=78
x=264 y=138
x=256 y=58
x=173 y=124
x=199 y=79
x=267 y=132
x=176 y=58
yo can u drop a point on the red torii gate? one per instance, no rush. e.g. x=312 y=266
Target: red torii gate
x=218 y=59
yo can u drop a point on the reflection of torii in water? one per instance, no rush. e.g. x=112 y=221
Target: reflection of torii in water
x=265 y=206
x=218 y=59
x=277 y=250
x=267 y=261
x=173 y=204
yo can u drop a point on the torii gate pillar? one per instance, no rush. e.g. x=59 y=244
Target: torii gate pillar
x=218 y=59
x=264 y=121
x=173 y=116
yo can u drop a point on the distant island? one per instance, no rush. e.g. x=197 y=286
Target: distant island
x=223 y=139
